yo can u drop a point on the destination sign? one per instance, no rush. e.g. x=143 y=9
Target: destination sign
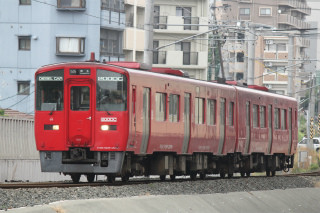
x=110 y=78
x=80 y=72
x=50 y=78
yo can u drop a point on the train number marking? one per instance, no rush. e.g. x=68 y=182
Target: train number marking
x=109 y=120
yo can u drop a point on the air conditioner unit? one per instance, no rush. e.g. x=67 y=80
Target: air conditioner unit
x=268 y=64
x=269 y=41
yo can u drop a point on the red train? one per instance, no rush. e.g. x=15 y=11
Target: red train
x=102 y=119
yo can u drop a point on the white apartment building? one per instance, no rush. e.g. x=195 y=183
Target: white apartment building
x=170 y=19
x=133 y=40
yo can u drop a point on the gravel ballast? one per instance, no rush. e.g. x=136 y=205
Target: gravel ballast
x=14 y=198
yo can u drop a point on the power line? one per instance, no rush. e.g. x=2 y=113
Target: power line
x=107 y=19
x=20 y=101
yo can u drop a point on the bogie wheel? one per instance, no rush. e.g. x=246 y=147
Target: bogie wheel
x=193 y=176
x=75 y=178
x=162 y=177
x=242 y=174
x=203 y=176
x=90 y=178
x=230 y=175
x=222 y=175
x=172 y=177
x=125 y=178
x=268 y=173
x=111 y=179
x=248 y=174
x=273 y=173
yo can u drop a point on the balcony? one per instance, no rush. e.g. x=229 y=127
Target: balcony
x=176 y=24
x=293 y=22
x=190 y=58
x=139 y=3
x=160 y=22
x=296 y=5
x=159 y=57
x=237 y=66
x=181 y=60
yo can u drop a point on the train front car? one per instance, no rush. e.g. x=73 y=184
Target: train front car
x=81 y=119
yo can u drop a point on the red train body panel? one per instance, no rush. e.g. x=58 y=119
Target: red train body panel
x=93 y=118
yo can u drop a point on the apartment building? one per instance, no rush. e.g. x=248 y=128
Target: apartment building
x=271 y=19
x=36 y=33
x=134 y=34
x=175 y=21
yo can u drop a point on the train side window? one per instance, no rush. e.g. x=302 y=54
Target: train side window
x=199 y=110
x=161 y=104
x=255 y=115
x=211 y=112
x=231 y=113
x=174 y=108
x=283 y=119
x=276 y=118
x=262 y=117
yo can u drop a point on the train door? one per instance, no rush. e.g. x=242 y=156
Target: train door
x=248 y=128
x=186 y=117
x=222 y=124
x=269 y=128
x=146 y=120
x=80 y=113
x=290 y=130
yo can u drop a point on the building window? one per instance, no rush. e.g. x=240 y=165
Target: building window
x=72 y=46
x=113 y=5
x=71 y=3
x=211 y=112
x=240 y=57
x=23 y=87
x=111 y=42
x=161 y=106
x=174 y=108
x=244 y=11
x=265 y=11
x=25 y=2
x=199 y=110
x=24 y=42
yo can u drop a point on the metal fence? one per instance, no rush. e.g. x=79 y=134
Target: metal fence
x=19 y=158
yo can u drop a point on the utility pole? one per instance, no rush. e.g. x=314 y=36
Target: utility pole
x=251 y=54
x=291 y=72
x=148 y=34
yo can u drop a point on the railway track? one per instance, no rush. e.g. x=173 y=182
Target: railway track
x=317 y=173
x=19 y=185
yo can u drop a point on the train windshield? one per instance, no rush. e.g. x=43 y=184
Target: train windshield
x=49 y=94
x=111 y=91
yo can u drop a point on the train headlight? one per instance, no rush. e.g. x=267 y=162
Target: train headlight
x=51 y=127
x=55 y=127
x=105 y=127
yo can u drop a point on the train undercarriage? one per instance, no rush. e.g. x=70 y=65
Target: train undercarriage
x=126 y=164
